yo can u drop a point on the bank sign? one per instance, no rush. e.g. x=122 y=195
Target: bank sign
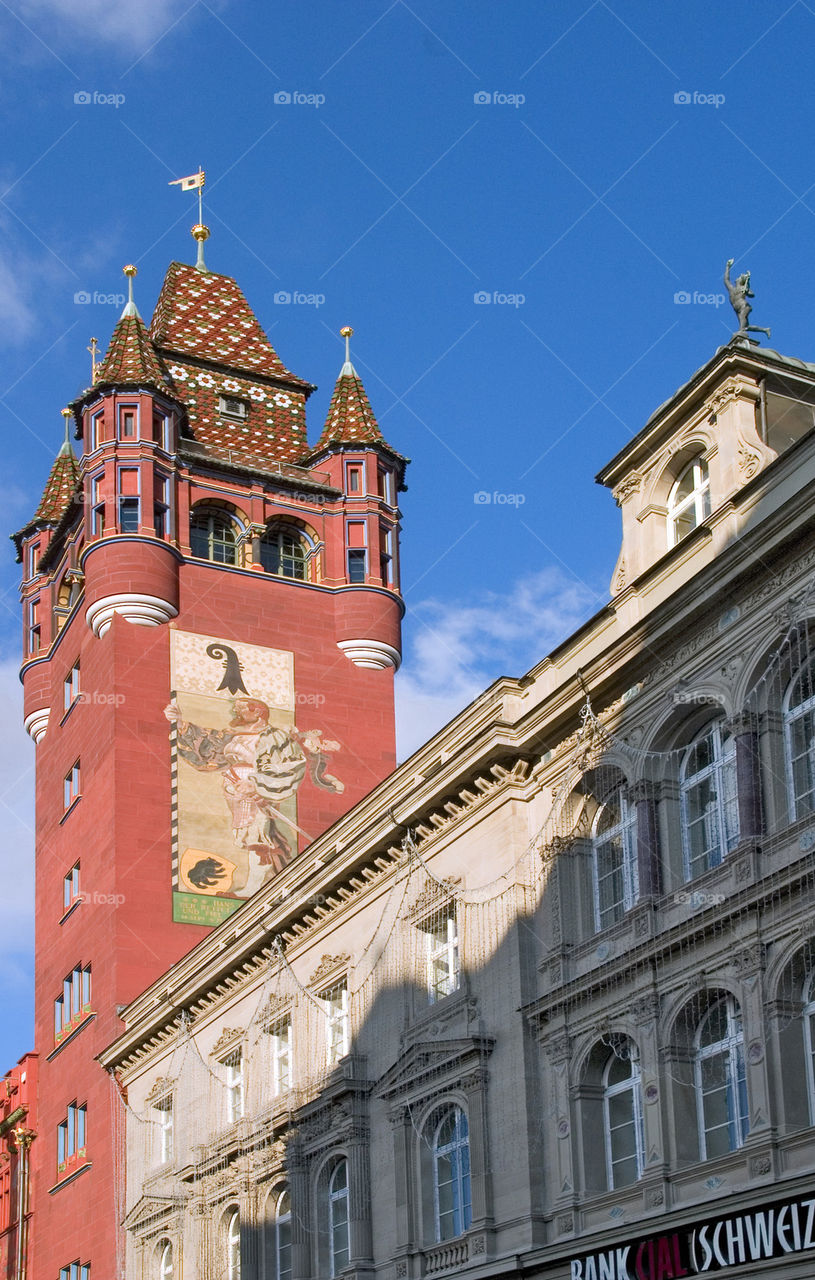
x=716 y=1244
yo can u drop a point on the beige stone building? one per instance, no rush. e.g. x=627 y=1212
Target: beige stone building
x=543 y=1003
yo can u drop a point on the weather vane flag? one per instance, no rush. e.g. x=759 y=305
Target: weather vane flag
x=195 y=182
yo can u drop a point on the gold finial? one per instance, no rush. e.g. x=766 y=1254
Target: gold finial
x=347 y=332
x=130 y=270
x=93 y=348
x=201 y=234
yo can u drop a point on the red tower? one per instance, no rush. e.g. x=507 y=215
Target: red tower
x=212 y=623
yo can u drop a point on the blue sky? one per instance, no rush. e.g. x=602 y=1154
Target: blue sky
x=586 y=167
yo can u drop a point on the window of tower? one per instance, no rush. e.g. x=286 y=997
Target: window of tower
x=161 y=505
x=214 y=536
x=128 y=422
x=129 y=499
x=688 y=501
x=282 y=552
x=357 y=540
x=355 y=478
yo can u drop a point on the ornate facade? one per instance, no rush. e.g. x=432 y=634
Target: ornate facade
x=543 y=1003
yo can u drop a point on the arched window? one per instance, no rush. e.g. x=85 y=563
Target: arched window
x=688 y=501
x=808 y=1014
x=622 y=1115
x=165 y=1263
x=614 y=859
x=451 y=1174
x=282 y=552
x=338 y=1238
x=799 y=740
x=710 y=813
x=282 y=1237
x=233 y=1245
x=721 y=1087
x=213 y=535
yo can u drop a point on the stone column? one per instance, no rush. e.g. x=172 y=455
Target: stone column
x=475 y=1089
x=748 y=962
x=251 y=537
x=404 y=1210
x=301 y=1233
x=645 y=1011
x=643 y=795
x=360 y=1243
x=744 y=727
x=558 y=1048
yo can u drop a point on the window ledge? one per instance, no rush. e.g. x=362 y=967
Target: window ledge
x=80 y=1026
x=70 y=1177
x=76 y=903
x=70 y=808
x=76 y=700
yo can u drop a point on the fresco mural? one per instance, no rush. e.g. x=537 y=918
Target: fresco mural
x=238 y=762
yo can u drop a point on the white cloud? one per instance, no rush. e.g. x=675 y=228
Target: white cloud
x=130 y=25
x=456 y=647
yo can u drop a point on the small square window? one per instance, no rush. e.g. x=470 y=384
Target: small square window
x=232 y=407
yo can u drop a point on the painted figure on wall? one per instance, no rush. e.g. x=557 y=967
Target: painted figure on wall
x=240 y=761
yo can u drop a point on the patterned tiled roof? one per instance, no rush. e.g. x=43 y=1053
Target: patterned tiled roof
x=205 y=315
x=59 y=486
x=350 y=417
x=131 y=356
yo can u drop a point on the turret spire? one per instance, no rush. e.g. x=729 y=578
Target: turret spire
x=347 y=370
x=130 y=307
x=201 y=234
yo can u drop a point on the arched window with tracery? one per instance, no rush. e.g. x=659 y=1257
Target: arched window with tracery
x=688 y=500
x=452 y=1202
x=622 y=1115
x=213 y=535
x=721 y=1085
x=799 y=740
x=709 y=799
x=614 y=860
x=283 y=552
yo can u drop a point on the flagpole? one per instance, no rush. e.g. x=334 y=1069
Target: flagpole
x=200 y=198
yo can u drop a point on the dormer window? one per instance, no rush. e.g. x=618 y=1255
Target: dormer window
x=231 y=407
x=689 y=501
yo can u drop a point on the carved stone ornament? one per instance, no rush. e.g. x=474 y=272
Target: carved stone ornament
x=750 y=960
x=479 y=1244
x=565 y=1223
x=760 y=1166
x=630 y=485
x=620 y=577
x=329 y=965
x=400 y=1270
x=646 y=1008
x=654 y=1197
x=750 y=460
x=434 y=896
x=229 y=1038
x=161 y=1088
x=558 y=1047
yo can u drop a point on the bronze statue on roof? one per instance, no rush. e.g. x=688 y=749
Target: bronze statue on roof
x=739 y=294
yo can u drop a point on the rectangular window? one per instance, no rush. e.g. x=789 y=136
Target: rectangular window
x=161 y=430
x=280 y=1035
x=34 y=630
x=75 y=1002
x=70 y=887
x=234 y=1086
x=32 y=559
x=441 y=954
x=164 y=1119
x=161 y=504
x=354 y=478
x=71 y=1134
x=384 y=479
x=98 y=505
x=128 y=421
x=70 y=688
x=386 y=556
x=75 y=1271
x=71 y=786
x=129 y=502
x=97 y=434
x=356 y=565
x=335 y=1003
